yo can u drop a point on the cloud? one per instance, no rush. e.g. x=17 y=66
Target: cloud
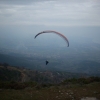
x=52 y=12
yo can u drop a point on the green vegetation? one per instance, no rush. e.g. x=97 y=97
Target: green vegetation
x=16 y=85
x=81 y=80
x=9 y=75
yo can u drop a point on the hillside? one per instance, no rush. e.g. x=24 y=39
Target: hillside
x=24 y=84
x=18 y=74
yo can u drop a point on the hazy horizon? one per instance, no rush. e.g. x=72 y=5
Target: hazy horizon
x=78 y=20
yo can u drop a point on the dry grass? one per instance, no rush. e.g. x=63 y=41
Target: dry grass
x=62 y=92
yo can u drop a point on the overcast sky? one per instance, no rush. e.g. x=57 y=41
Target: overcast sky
x=21 y=19
x=50 y=12
x=78 y=20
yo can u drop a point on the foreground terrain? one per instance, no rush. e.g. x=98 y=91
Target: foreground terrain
x=24 y=84
x=53 y=92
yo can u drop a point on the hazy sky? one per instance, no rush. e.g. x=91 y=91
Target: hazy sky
x=50 y=12
x=22 y=19
x=78 y=20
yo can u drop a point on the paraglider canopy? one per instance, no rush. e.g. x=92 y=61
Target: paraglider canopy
x=50 y=31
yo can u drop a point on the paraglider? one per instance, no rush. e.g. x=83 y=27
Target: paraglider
x=50 y=31
x=47 y=62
